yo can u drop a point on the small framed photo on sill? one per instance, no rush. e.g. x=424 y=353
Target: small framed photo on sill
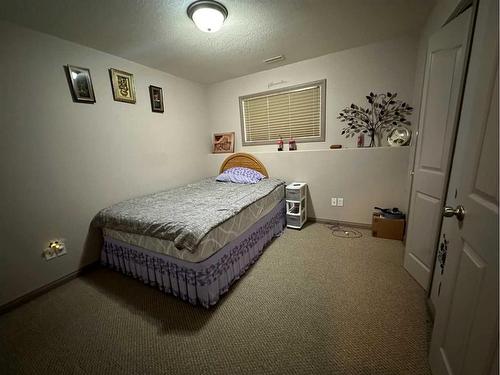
x=80 y=84
x=223 y=142
x=123 y=86
x=156 y=96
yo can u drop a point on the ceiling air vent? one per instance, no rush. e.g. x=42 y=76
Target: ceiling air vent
x=274 y=59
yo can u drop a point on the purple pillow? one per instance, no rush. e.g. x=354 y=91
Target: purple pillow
x=240 y=175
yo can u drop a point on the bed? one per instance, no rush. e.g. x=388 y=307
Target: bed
x=196 y=240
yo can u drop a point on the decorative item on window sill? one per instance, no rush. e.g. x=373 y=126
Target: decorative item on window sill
x=280 y=144
x=292 y=145
x=383 y=114
x=223 y=142
x=361 y=140
x=399 y=137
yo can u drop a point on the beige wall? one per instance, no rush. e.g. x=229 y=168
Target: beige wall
x=363 y=177
x=61 y=161
x=350 y=75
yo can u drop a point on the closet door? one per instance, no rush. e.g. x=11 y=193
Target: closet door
x=444 y=74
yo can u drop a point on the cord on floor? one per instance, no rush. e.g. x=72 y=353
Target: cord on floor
x=344 y=231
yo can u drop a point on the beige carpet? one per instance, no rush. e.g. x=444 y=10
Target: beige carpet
x=312 y=304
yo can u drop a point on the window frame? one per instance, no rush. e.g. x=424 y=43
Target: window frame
x=322 y=90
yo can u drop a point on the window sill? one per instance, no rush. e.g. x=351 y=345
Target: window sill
x=348 y=149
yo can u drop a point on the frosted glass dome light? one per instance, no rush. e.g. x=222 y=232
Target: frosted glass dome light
x=207 y=15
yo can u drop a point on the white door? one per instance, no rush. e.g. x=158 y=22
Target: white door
x=446 y=56
x=465 y=334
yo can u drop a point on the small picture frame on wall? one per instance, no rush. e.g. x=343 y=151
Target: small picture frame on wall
x=123 y=86
x=80 y=84
x=223 y=143
x=156 y=96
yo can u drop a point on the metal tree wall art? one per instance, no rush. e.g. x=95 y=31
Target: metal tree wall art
x=383 y=114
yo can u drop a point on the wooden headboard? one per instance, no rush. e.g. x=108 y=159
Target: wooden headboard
x=242 y=159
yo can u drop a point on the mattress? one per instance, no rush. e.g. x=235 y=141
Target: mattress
x=184 y=214
x=214 y=240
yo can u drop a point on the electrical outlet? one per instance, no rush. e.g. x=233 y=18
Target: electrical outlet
x=56 y=248
x=61 y=250
x=340 y=202
x=48 y=253
x=334 y=201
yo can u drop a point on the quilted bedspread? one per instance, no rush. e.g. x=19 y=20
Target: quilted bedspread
x=184 y=215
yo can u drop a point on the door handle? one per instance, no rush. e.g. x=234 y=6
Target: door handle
x=458 y=212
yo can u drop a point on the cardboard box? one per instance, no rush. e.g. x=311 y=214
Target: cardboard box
x=382 y=227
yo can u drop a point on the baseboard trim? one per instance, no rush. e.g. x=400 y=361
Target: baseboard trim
x=44 y=289
x=339 y=222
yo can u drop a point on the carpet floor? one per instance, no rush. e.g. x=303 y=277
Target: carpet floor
x=313 y=304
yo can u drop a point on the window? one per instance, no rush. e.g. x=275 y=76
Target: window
x=297 y=112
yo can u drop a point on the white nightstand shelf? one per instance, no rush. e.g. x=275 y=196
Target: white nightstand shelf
x=296 y=205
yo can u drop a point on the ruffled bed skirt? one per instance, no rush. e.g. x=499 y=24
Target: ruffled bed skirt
x=198 y=283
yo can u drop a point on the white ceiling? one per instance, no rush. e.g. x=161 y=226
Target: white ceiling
x=158 y=33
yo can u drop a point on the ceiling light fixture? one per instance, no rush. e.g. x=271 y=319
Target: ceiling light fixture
x=207 y=15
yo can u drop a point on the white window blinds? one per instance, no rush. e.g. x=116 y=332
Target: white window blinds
x=296 y=112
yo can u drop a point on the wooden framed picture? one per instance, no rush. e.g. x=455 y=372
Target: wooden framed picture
x=123 y=86
x=223 y=142
x=80 y=84
x=156 y=96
